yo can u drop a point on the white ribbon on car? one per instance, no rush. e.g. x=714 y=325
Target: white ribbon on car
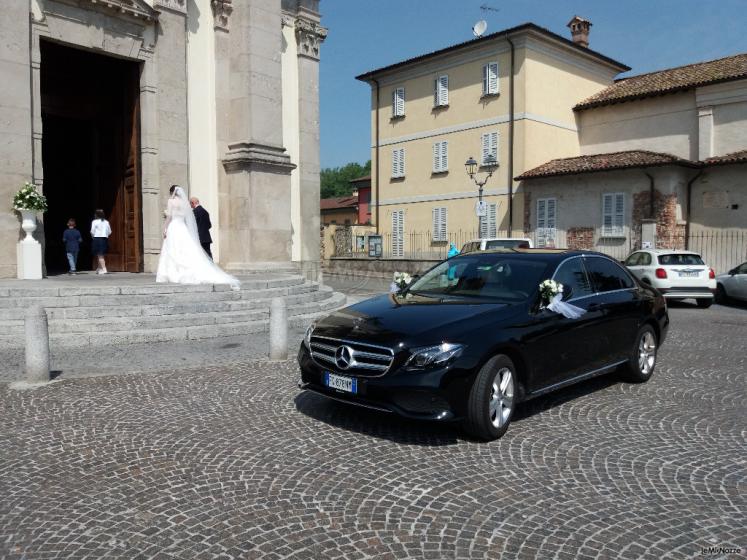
x=565 y=309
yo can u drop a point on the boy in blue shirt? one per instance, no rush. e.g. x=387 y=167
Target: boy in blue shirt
x=72 y=240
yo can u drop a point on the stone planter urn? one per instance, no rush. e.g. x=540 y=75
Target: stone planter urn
x=28 y=224
x=28 y=249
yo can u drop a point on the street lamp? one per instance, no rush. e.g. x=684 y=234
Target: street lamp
x=490 y=165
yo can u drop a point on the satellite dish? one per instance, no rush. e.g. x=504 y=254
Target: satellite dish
x=479 y=28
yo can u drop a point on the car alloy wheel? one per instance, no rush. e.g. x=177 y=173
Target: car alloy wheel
x=492 y=399
x=642 y=361
x=647 y=353
x=501 y=397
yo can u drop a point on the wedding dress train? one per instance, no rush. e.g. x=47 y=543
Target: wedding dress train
x=183 y=260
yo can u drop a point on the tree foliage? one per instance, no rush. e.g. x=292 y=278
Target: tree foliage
x=335 y=181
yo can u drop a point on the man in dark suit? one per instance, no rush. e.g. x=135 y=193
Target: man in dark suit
x=202 y=217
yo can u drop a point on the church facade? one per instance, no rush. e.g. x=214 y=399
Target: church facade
x=107 y=103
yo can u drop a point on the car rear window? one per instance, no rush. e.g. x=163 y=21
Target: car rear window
x=680 y=259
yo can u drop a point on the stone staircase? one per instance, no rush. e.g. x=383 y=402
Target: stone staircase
x=95 y=311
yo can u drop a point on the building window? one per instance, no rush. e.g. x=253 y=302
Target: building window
x=398 y=163
x=546 y=222
x=613 y=214
x=398 y=233
x=440 y=232
x=489 y=147
x=440 y=157
x=441 y=91
x=490 y=79
x=398 y=102
x=488 y=223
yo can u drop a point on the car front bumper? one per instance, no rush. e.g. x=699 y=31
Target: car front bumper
x=438 y=394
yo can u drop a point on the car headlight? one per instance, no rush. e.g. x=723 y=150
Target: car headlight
x=307 y=336
x=430 y=356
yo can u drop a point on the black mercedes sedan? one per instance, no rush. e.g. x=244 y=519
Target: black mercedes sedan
x=474 y=336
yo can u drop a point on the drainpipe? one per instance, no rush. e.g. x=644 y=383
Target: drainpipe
x=376 y=155
x=511 y=141
x=687 y=214
x=651 y=196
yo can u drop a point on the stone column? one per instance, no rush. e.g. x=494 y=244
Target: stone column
x=255 y=182
x=310 y=36
x=15 y=122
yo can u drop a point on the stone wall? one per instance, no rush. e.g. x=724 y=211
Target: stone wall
x=580 y=238
x=670 y=234
x=379 y=268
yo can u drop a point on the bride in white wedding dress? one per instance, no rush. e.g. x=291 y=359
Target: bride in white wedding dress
x=183 y=260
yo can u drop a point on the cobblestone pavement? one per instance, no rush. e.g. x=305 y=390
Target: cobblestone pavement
x=234 y=462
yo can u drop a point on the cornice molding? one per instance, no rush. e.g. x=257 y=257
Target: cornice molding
x=134 y=8
x=249 y=155
x=179 y=6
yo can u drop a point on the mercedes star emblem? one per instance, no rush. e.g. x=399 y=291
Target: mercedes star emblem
x=344 y=357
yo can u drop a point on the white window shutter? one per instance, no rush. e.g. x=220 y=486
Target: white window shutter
x=398 y=233
x=485 y=79
x=546 y=220
x=489 y=146
x=492 y=215
x=619 y=221
x=492 y=71
x=606 y=214
x=444 y=231
x=436 y=157
x=439 y=219
x=401 y=162
x=444 y=155
x=441 y=91
x=395 y=162
x=398 y=102
x=435 y=217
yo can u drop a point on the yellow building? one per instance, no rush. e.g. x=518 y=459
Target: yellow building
x=509 y=95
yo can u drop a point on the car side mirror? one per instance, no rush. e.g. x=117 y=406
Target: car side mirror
x=732 y=272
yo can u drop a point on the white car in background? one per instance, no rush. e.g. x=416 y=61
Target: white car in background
x=487 y=243
x=676 y=274
x=733 y=284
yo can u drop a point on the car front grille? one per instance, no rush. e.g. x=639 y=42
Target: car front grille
x=363 y=359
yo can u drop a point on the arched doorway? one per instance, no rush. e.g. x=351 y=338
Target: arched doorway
x=91 y=152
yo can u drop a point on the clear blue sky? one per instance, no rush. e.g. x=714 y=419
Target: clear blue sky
x=367 y=34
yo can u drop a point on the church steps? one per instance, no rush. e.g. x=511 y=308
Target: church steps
x=12 y=307
x=130 y=324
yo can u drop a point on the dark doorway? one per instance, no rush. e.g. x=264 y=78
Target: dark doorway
x=91 y=153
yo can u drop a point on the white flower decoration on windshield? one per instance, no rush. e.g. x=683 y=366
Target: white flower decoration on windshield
x=400 y=281
x=551 y=298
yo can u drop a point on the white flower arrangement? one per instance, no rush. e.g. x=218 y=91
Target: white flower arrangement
x=548 y=290
x=400 y=281
x=28 y=198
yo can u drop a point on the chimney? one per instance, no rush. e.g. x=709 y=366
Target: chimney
x=580 y=31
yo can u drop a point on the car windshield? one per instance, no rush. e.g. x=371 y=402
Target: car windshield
x=680 y=259
x=486 y=276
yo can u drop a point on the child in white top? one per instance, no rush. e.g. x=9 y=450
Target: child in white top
x=100 y=231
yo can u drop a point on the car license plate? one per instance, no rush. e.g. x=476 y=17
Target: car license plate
x=345 y=384
x=689 y=274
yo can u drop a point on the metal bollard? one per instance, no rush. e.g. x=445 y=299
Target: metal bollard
x=37 y=345
x=278 y=329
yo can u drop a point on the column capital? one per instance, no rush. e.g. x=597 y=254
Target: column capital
x=222 y=10
x=310 y=36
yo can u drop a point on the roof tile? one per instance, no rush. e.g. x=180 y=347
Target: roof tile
x=669 y=81
x=604 y=162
